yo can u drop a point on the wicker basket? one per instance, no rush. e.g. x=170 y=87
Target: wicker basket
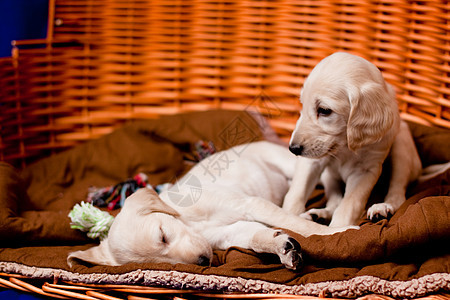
x=105 y=62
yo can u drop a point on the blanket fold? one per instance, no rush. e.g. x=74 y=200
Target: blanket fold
x=389 y=255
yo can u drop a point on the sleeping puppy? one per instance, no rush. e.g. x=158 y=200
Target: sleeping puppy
x=349 y=124
x=231 y=198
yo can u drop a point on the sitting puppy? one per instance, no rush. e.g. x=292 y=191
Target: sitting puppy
x=348 y=125
x=228 y=199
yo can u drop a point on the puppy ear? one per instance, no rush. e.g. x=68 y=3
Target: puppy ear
x=373 y=111
x=99 y=255
x=150 y=202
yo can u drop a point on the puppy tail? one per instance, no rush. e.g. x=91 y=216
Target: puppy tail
x=99 y=255
x=432 y=171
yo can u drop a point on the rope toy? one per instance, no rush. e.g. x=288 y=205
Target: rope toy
x=204 y=149
x=114 y=196
x=86 y=217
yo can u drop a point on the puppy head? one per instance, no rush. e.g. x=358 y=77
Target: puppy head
x=346 y=103
x=147 y=230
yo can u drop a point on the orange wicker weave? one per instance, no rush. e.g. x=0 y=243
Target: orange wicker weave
x=105 y=62
x=70 y=290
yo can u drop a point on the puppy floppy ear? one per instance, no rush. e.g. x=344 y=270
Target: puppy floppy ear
x=373 y=111
x=99 y=255
x=149 y=202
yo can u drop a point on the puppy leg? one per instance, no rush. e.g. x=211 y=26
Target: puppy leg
x=306 y=177
x=263 y=211
x=279 y=243
x=406 y=167
x=261 y=239
x=357 y=191
x=333 y=192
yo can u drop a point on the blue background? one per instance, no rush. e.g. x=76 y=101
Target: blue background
x=14 y=295
x=21 y=19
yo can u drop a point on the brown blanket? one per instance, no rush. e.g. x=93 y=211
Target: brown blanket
x=407 y=256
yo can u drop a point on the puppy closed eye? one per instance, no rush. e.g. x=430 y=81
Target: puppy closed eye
x=163 y=237
x=323 y=112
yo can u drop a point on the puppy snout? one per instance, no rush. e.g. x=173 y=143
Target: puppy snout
x=296 y=149
x=203 y=261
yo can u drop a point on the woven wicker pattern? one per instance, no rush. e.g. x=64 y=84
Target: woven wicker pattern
x=109 y=61
x=71 y=290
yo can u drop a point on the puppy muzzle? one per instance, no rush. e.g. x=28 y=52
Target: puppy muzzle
x=203 y=261
x=296 y=149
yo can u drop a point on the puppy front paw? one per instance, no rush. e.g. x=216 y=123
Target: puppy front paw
x=319 y=215
x=380 y=211
x=289 y=252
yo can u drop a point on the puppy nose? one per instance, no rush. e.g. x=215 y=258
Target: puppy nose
x=296 y=149
x=203 y=261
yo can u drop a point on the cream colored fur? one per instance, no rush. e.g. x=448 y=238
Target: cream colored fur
x=349 y=124
x=237 y=204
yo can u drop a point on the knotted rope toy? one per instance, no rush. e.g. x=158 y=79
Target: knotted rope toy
x=114 y=196
x=204 y=149
x=90 y=219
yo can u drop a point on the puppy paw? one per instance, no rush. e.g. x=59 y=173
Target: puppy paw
x=289 y=252
x=380 y=211
x=319 y=215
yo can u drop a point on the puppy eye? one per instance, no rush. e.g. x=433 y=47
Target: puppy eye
x=323 y=112
x=163 y=237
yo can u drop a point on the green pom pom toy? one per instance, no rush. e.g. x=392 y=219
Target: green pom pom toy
x=88 y=218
